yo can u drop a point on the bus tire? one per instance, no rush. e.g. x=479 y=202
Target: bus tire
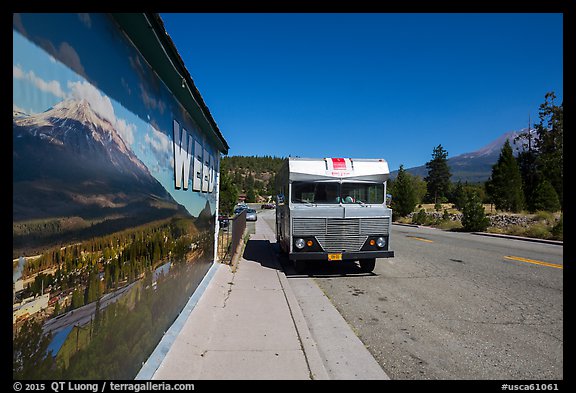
x=367 y=265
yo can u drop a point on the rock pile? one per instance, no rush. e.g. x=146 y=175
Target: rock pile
x=496 y=220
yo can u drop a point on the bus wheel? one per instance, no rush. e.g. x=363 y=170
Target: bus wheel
x=367 y=265
x=299 y=266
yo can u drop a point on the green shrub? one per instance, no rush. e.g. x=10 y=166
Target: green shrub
x=538 y=230
x=450 y=225
x=420 y=217
x=546 y=197
x=516 y=230
x=542 y=215
x=473 y=215
x=557 y=229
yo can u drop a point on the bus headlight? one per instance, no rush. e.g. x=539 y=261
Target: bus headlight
x=299 y=243
x=381 y=242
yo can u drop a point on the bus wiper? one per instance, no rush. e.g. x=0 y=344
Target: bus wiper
x=361 y=203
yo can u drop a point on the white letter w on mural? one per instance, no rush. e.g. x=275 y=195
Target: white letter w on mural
x=182 y=149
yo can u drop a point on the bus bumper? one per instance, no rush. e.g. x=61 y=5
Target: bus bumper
x=354 y=256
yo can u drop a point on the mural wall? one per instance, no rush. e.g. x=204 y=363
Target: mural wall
x=114 y=201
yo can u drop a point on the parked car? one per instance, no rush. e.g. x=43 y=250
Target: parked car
x=224 y=221
x=251 y=215
x=239 y=209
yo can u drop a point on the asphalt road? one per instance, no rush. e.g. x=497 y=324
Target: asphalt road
x=454 y=306
x=82 y=315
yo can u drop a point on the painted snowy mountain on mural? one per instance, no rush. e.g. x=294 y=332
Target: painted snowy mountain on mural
x=74 y=172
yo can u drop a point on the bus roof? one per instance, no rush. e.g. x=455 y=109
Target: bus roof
x=346 y=169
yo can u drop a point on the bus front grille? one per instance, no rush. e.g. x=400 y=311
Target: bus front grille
x=340 y=234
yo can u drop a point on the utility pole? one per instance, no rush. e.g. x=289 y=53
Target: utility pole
x=529 y=136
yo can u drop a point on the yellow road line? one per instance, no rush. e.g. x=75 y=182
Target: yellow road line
x=534 y=262
x=421 y=239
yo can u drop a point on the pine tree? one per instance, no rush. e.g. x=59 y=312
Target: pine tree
x=543 y=153
x=97 y=318
x=77 y=299
x=545 y=197
x=459 y=196
x=531 y=176
x=249 y=183
x=505 y=183
x=228 y=194
x=438 y=179
x=404 y=197
x=31 y=358
x=473 y=215
x=251 y=195
x=550 y=145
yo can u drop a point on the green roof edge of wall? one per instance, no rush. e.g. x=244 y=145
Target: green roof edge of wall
x=162 y=55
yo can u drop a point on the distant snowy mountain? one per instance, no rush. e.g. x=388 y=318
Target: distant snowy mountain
x=18 y=113
x=494 y=147
x=475 y=166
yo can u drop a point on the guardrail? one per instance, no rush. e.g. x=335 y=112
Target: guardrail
x=230 y=238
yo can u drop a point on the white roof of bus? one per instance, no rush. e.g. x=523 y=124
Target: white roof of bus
x=347 y=169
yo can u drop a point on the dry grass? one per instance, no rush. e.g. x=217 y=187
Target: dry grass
x=541 y=224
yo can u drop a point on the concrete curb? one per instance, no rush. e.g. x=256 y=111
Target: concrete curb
x=528 y=239
x=406 y=225
x=501 y=235
x=309 y=346
x=344 y=355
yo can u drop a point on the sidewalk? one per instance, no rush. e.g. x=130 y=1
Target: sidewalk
x=247 y=324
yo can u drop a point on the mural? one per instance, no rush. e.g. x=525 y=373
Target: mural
x=111 y=235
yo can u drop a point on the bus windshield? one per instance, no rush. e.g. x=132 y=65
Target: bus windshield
x=335 y=193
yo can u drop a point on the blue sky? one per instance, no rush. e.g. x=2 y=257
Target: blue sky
x=381 y=85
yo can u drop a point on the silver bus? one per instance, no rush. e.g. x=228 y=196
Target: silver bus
x=333 y=209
